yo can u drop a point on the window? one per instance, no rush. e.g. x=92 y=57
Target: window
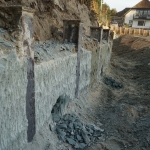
x=137 y=11
x=130 y=23
x=141 y=12
x=141 y=23
x=145 y=12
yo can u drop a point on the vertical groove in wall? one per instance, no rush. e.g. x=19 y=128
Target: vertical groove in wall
x=30 y=100
x=78 y=60
x=30 y=94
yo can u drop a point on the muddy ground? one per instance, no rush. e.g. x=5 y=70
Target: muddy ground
x=120 y=104
x=124 y=113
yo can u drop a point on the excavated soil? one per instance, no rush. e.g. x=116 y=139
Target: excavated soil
x=120 y=105
x=124 y=113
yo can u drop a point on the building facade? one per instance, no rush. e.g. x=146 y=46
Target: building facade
x=139 y=15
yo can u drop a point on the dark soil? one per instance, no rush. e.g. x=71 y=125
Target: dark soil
x=124 y=113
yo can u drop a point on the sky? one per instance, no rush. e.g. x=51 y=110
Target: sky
x=121 y=4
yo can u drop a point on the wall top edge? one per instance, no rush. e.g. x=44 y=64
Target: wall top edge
x=19 y=7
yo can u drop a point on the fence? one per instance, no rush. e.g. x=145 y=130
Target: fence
x=131 y=31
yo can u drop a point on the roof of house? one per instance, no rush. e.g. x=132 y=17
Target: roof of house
x=121 y=13
x=142 y=4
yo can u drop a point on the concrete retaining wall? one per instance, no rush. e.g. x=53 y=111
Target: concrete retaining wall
x=27 y=99
x=53 y=78
x=13 y=84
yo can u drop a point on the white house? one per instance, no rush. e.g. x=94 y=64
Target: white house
x=139 y=15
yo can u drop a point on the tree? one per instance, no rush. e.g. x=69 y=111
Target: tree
x=113 y=12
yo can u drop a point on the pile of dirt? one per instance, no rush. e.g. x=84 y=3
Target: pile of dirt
x=135 y=42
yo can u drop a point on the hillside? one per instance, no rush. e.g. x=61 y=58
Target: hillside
x=49 y=15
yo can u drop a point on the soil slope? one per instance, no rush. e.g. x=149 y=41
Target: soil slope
x=125 y=113
x=49 y=16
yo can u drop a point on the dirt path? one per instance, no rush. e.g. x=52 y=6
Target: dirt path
x=125 y=112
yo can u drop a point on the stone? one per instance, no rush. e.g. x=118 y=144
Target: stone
x=62 y=126
x=111 y=82
x=61 y=133
x=77 y=146
x=71 y=130
x=71 y=125
x=90 y=131
x=79 y=138
x=97 y=128
x=85 y=138
x=96 y=134
x=52 y=127
x=71 y=141
x=82 y=145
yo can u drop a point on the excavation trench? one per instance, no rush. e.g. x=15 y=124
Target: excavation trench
x=124 y=111
x=120 y=105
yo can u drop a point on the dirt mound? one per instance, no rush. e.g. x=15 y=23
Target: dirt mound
x=135 y=42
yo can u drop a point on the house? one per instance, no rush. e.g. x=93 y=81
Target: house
x=139 y=15
x=119 y=17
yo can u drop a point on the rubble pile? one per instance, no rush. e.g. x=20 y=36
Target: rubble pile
x=71 y=130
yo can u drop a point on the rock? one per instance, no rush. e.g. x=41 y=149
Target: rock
x=61 y=133
x=97 y=128
x=71 y=130
x=77 y=146
x=71 y=125
x=96 y=134
x=52 y=127
x=111 y=82
x=79 y=138
x=82 y=145
x=85 y=138
x=71 y=141
x=62 y=126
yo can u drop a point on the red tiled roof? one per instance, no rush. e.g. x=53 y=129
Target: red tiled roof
x=143 y=4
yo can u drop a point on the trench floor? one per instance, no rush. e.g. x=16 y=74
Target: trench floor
x=124 y=113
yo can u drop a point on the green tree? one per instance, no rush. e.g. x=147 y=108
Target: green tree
x=113 y=12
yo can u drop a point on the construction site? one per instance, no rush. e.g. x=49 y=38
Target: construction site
x=69 y=83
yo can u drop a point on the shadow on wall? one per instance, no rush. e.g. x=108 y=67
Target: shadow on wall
x=59 y=107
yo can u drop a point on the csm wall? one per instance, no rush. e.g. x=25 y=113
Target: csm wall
x=53 y=71
x=53 y=78
x=13 y=85
x=56 y=77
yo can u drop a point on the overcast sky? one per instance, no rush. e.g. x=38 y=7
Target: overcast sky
x=121 y=4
